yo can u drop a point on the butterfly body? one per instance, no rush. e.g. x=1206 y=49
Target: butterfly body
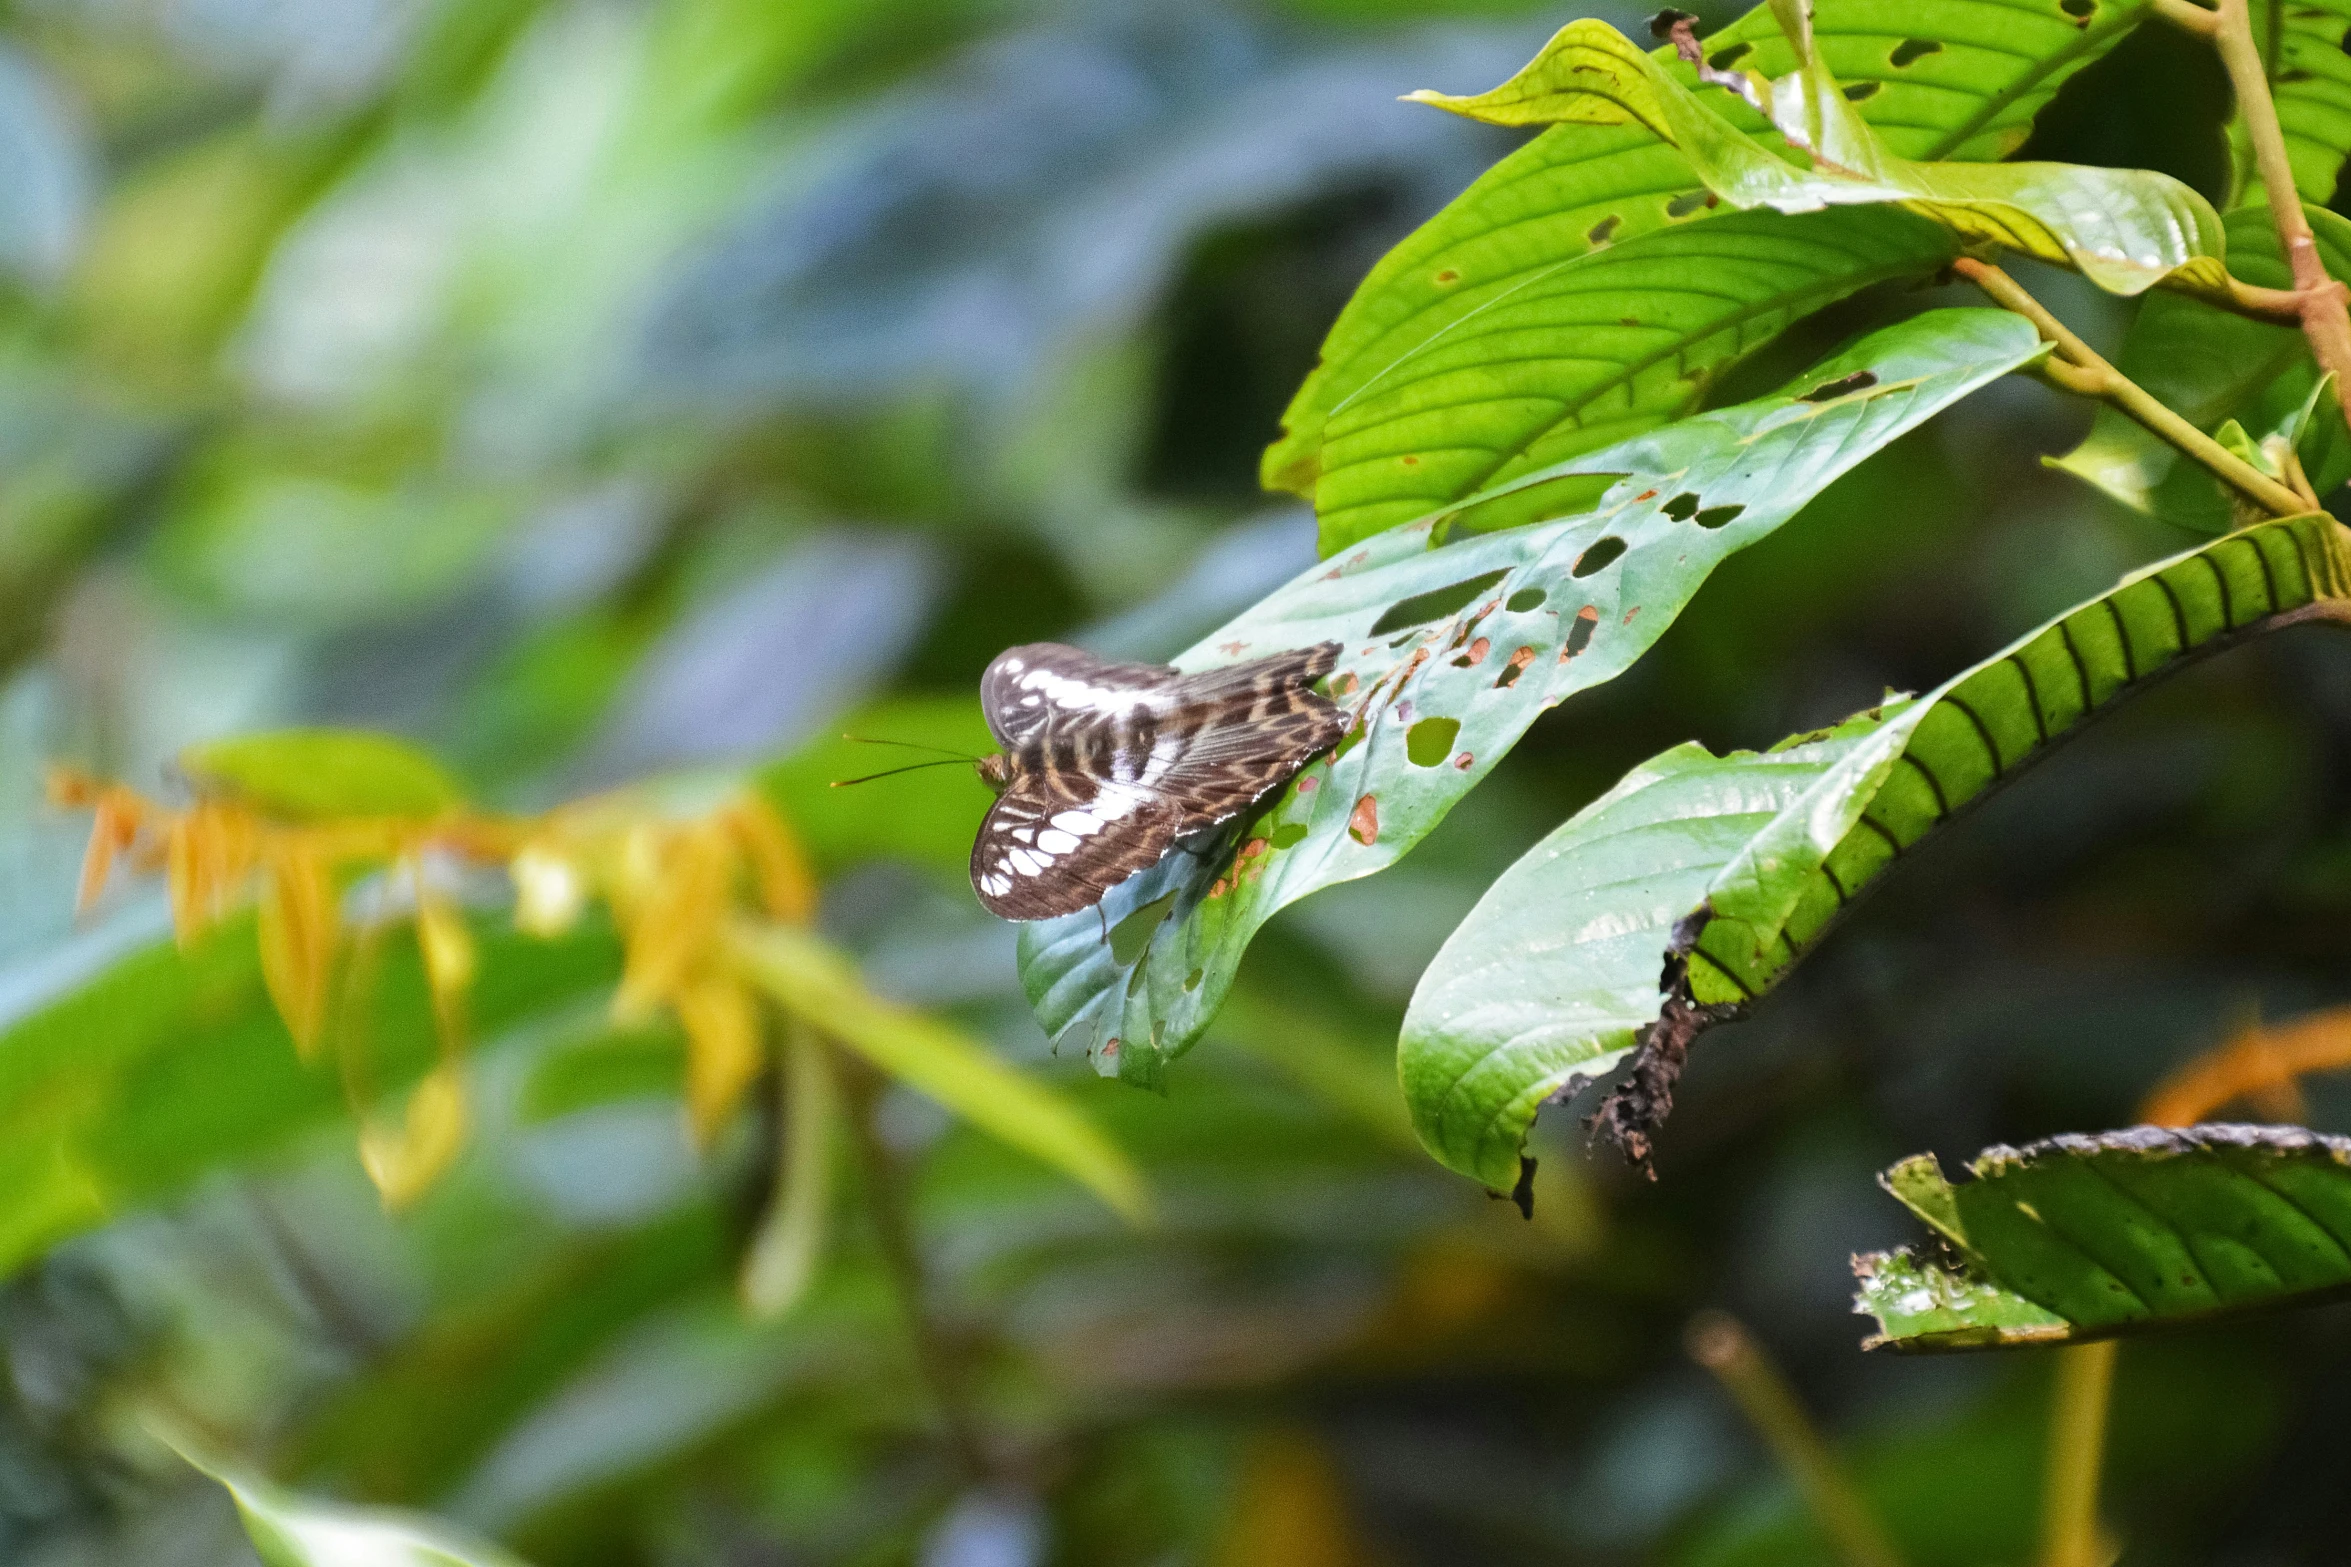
x=1105 y=765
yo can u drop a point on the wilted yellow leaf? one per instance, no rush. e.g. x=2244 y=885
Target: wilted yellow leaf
x=447 y=945
x=722 y=1049
x=787 y=888
x=673 y=929
x=301 y=925
x=405 y=1160
x=211 y=852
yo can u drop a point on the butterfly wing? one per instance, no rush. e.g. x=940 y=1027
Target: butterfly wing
x=1114 y=762
x=1042 y=684
x=1054 y=842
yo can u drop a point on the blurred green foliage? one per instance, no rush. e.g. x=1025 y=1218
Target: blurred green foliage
x=591 y=390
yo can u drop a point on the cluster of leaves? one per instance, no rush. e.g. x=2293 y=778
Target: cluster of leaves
x=864 y=288
x=1466 y=442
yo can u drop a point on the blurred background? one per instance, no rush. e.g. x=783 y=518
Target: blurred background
x=590 y=389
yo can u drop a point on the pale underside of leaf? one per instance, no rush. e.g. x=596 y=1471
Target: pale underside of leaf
x=2088 y=1236
x=1736 y=866
x=1476 y=638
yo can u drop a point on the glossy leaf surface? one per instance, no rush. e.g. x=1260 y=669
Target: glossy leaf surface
x=2084 y=1237
x=1737 y=865
x=2124 y=229
x=1472 y=640
x=1939 y=79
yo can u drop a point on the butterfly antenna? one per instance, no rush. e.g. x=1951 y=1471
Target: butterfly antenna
x=936 y=750
x=892 y=772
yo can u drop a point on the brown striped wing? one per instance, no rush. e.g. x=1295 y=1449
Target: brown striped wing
x=1115 y=762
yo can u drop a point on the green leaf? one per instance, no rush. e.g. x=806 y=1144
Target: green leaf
x=291 y=1530
x=816 y=983
x=2207 y=365
x=310 y=774
x=1577 y=356
x=2301 y=43
x=1733 y=867
x=165 y=1066
x=2124 y=229
x=1937 y=78
x=2083 y=1237
x=1542 y=611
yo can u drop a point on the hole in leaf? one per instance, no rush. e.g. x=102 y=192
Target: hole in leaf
x=1525 y=599
x=2347 y=42
x=1698 y=200
x=1435 y=604
x=1130 y=936
x=1354 y=738
x=1599 y=556
x=1516 y=667
x=1474 y=655
x=1861 y=90
x=2082 y=9
x=1289 y=833
x=1431 y=740
x=1716 y=516
x=1681 y=509
x=1192 y=980
x=1579 y=632
x=1603 y=231
x=1842 y=386
x=1363 y=823
x=1724 y=59
x=1910 y=50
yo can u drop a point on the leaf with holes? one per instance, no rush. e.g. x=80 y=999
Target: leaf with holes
x=2124 y=229
x=1470 y=641
x=2301 y=44
x=2208 y=365
x=2087 y=1237
x=1723 y=871
x=1936 y=78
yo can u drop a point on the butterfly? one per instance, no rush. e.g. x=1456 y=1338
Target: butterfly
x=1105 y=766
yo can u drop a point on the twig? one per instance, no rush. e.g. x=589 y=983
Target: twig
x=1717 y=1341
x=894 y=1230
x=2325 y=320
x=2079 y=368
x=2077 y=1451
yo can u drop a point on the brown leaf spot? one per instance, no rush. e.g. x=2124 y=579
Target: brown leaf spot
x=1308 y=785
x=1479 y=649
x=1344 y=682
x=1410 y=461
x=1448 y=276
x=1232 y=647
x=1603 y=231
x=1646 y=495
x=1630 y=613
x=1363 y=823
x=1462 y=761
x=1404 y=711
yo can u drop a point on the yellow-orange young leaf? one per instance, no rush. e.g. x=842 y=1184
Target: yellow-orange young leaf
x=406 y=1158
x=447 y=946
x=673 y=923
x=722 y=1050
x=300 y=929
x=787 y=887
x=211 y=852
